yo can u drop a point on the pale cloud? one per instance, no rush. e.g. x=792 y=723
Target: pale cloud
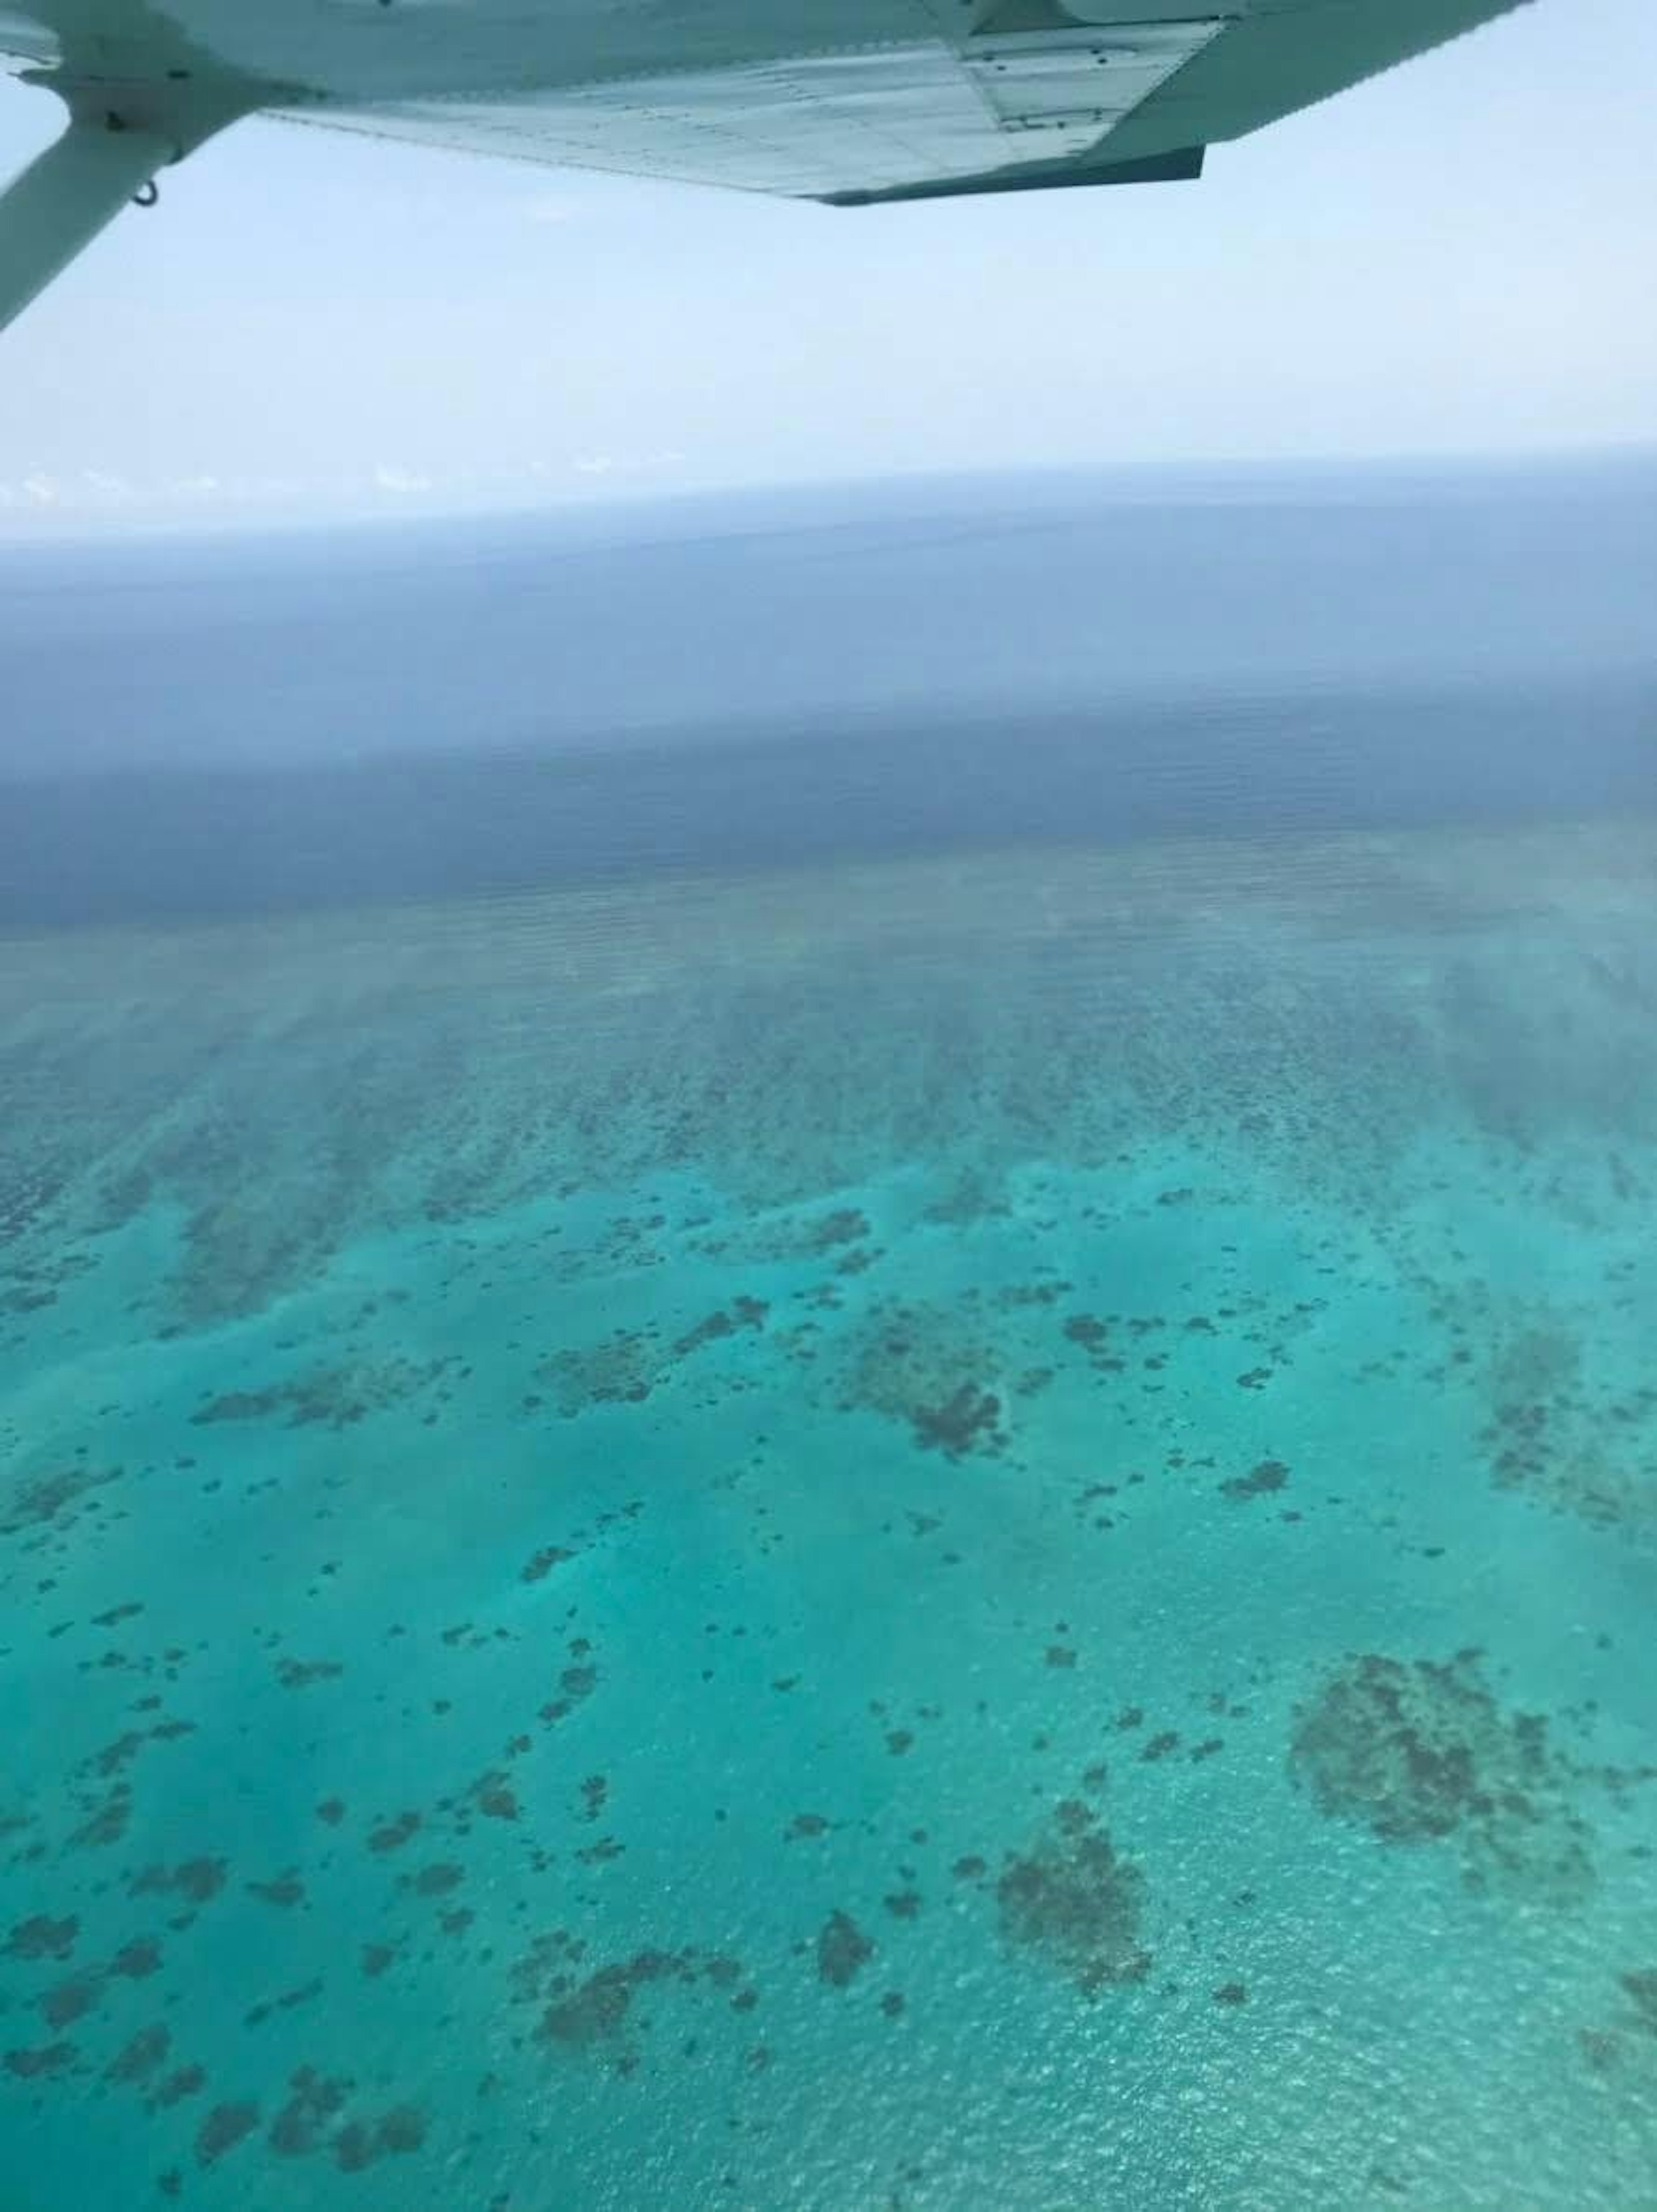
x=627 y=465
x=390 y=477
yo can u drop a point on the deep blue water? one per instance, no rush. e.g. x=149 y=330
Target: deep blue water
x=826 y=1356
x=765 y=679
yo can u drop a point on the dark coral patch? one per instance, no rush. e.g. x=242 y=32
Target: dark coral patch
x=71 y=2001
x=623 y=1370
x=1263 y=1477
x=1074 y=1902
x=494 y=1797
x=1421 y=1753
x=575 y=1684
x=393 y=1835
x=1556 y=1432
x=285 y=1891
x=138 y=2059
x=225 y=2126
x=42 y=1937
x=396 y=2134
x=1092 y=1337
x=845 y=1225
x=327 y=1397
x=314 y=2102
x=32 y=2065
x=50 y=1498
x=968 y=1417
x=306 y=1993
x=596 y=2008
x=1641 y=1989
x=199 y=1880
x=916 y=1364
x=188 y=2081
x=438 y=1880
x=592 y=2011
x=843 y=1951
x=106 y=1823
x=744 y=1313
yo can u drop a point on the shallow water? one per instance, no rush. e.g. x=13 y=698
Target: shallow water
x=971 y=1530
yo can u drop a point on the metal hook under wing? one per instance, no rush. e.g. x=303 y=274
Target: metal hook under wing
x=65 y=196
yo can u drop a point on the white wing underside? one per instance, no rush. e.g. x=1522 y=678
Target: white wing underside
x=816 y=126
x=923 y=97
x=849 y=100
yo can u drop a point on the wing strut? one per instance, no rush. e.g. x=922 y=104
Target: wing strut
x=65 y=196
x=119 y=134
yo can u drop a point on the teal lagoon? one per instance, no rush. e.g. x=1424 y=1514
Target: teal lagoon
x=960 y=1532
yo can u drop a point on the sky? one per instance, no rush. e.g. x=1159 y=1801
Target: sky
x=1453 y=258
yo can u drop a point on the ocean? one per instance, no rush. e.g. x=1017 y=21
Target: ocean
x=826 y=1353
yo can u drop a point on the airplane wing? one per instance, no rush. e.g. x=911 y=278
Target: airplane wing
x=849 y=101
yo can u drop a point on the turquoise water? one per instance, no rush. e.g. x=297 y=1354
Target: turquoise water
x=965 y=1530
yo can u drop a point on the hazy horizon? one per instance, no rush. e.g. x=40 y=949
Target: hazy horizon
x=373 y=514
x=773 y=677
